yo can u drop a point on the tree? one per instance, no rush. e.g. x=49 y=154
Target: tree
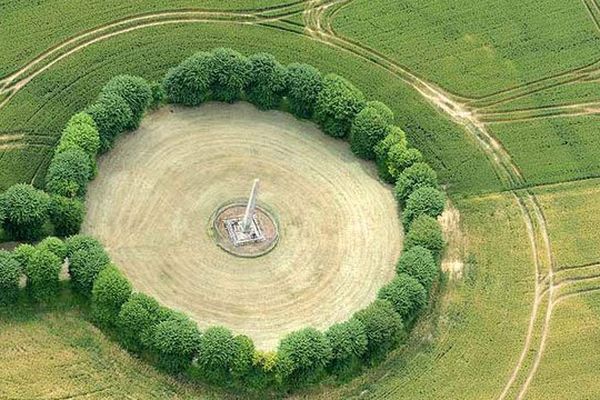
x=10 y=274
x=396 y=136
x=304 y=83
x=412 y=178
x=175 y=342
x=25 y=211
x=136 y=321
x=217 y=351
x=382 y=325
x=135 y=91
x=66 y=215
x=112 y=116
x=384 y=111
x=80 y=133
x=42 y=275
x=406 y=295
x=423 y=201
x=22 y=255
x=68 y=173
x=158 y=94
x=303 y=355
x=244 y=356
x=426 y=232
x=111 y=289
x=419 y=263
x=81 y=242
x=399 y=158
x=84 y=267
x=337 y=104
x=348 y=342
x=189 y=83
x=230 y=74
x=55 y=246
x=369 y=127
x=266 y=86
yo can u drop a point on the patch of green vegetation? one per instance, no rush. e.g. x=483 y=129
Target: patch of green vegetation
x=566 y=370
x=45 y=104
x=553 y=149
x=473 y=348
x=573 y=216
x=50 y=22
x=478 y=47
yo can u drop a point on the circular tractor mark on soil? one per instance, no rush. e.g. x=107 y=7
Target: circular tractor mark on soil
x=339 y=233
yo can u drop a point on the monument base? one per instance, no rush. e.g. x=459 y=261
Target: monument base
x=227 y=232
x=241 y=237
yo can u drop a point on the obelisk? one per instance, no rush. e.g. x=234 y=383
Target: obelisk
x=250 y=207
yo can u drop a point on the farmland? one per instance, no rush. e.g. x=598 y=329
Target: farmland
x=501 y=97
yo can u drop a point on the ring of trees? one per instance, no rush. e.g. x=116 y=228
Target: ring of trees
x=168 y=338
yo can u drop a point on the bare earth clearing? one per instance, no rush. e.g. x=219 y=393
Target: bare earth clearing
x=156 y=190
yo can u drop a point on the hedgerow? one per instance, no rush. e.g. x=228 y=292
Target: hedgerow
x=170 y=338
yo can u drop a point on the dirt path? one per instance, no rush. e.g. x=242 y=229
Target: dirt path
x=156 y=191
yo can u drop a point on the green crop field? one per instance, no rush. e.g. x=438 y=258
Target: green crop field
x=501 y=97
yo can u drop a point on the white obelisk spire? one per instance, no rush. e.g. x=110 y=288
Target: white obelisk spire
x=250 y=208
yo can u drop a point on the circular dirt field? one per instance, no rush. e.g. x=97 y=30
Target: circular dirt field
x=155 y=192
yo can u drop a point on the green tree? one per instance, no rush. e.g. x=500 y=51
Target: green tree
x=383 y=326
x=66 y=215
x=217 y=351
x=244 y=357
x=135 y=91
x=230 y=74
x=303 y=355
x=266 y=85
x=337 y=104
x=348 y=342
x=419 y=263
x=84 y=267
x=304 y=83
x=23 y=254
x=412 y=178
x=384 y=111
x=80 y=133
x=42 y=272
x=400 y=158
x=423 y=201
x=55 y=246
x=111 y=289
x=426 y=232
x=396 y=136
x=69 y=173
x=369 y=127
x=136 y=321
x=175 y=343
x=10 y=274
x=112 y=116
x=158 y=94
x=25 y=210
x=81 y=242
x=189 y=83
x=406 y=295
